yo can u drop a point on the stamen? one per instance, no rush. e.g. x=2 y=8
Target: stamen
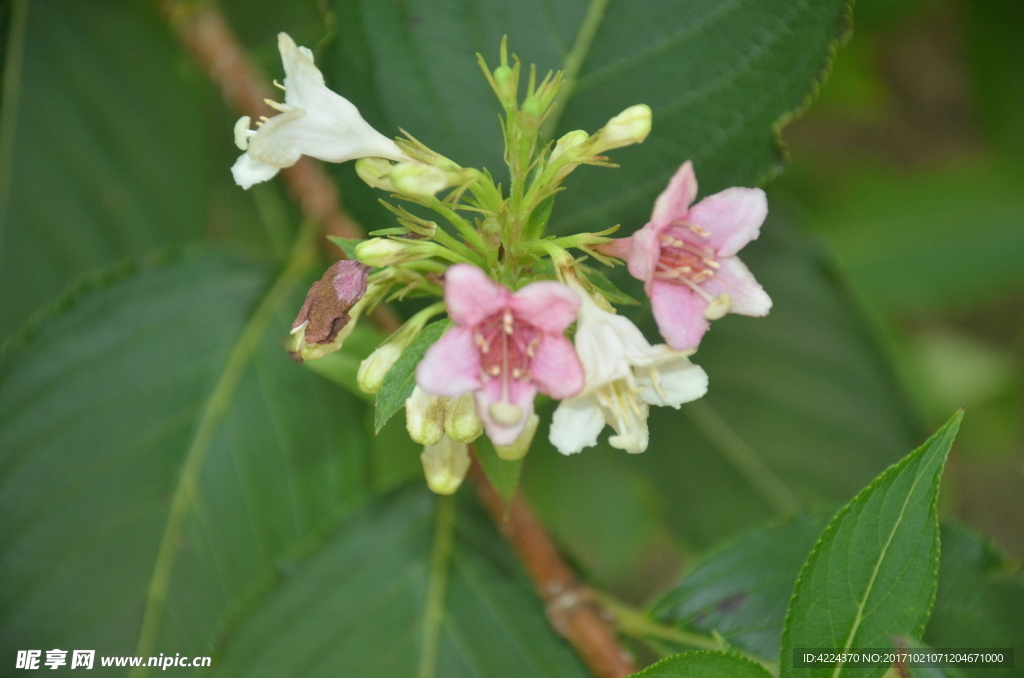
x=693 y=286
x=276 y=105
x=699 y=231
x=279 y=85
x=656 y=382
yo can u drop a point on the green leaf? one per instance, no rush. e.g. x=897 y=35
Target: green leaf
x=101 y=156
x=503 y=474
x=159 y=455
x=742 y=591
x=608 y=288
x=412 y=585
x=720 y=75
x=704 y=664
x=873 y=573
x=401 y=378
x=346 y=245
x=980 y=601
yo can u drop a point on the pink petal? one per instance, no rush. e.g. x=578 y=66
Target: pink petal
x=748 y=297
x=521 y=394
x=733 y=217
x=451 y=367
x=679 y=312
x=548 y=305
x=674 y=202
x=643 y=259
x=471 y=296
x=556 y=369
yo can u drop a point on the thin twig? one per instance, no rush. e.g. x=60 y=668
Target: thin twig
x=572 y=607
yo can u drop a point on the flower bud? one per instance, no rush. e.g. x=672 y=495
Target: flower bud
x=417 y=180
x=388 y=252
x=532 y=112
x=569 y=141
x=504 y=81
x=519 y=448
x=424 y=417
x=330 y=311
x=445 y=464
x=461 y=422
x=629 y=127
x=374 y=172
x=376 y=366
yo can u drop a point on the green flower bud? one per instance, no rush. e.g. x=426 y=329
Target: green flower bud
x=445 y=464
x=629 y=127
x=375 y=171
x=389 y=252
x=568 y=143
x=505 y=85
x=424 y=417
x=461 y=422
x=376 y=366
x=567 y=150
x=521 y=446
x=532 y=112
x=416 y=180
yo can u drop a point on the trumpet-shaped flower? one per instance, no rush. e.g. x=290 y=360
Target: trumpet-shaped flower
x=686 y=257
x=505 y=348
x=313 y=121
x=625 y=375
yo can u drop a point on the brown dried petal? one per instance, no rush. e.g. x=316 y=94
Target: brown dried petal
x=330 y=299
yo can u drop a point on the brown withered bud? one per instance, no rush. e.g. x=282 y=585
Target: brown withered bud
x=326 y=309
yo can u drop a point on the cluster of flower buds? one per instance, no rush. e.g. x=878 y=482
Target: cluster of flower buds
x=510 y=293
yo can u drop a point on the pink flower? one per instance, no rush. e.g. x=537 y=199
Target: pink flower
x=686 y=257
x=505 y=348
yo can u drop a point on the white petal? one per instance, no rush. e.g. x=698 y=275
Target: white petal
x=248 y=171
x=576 y=424
x=606 y=343
x=671 y=383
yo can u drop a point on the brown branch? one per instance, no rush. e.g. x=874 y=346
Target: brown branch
x=206 y=35
x=572 y=607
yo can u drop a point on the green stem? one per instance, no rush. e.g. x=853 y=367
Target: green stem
x=437 y=585
x=573 y=63
x=637 y=624
x=441 y=236
x=302 y=258
x=464 y=227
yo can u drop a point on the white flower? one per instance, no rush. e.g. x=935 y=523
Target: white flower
x=625 y=375
x=314 y=121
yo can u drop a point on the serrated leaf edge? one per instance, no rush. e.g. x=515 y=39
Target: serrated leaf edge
x=950 y=429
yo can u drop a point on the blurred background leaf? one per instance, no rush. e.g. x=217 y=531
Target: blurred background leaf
x=356 y=606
